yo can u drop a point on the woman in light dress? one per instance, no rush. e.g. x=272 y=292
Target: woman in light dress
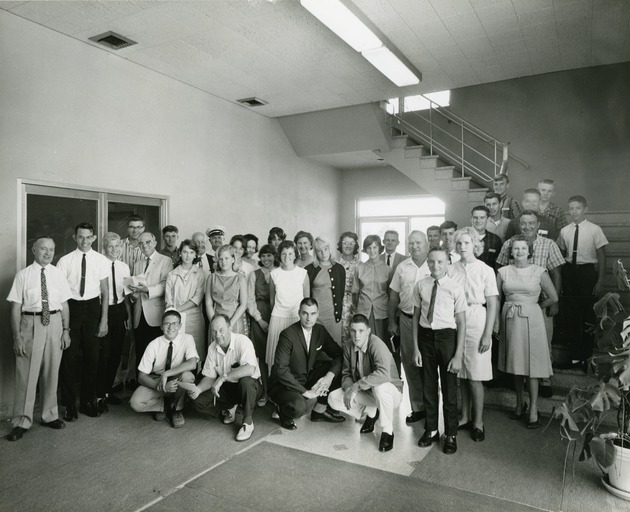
x=184 y=290
x=304 y=243
x=479 y=282
x=327 y=281
x=238 y=244
x=226 y=291
x=348 y=248
x=287 y=287
x=523 y=349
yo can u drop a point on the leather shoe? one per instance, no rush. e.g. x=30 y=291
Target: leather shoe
x=113 y=399
x=534 y=424
x=101 y=405
x=450 y=444
x=288 y=424
x=478 y=434
x=386 y=443
x=54 y=424
x=427 y=439
x=368 y=425
x=415 y=416
x=16 y=434
x=328 y=416
x=70 y=414
x=516 y=416
x=89 y=409
x=465 y=426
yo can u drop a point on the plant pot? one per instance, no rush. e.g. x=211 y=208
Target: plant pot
x=619 y=472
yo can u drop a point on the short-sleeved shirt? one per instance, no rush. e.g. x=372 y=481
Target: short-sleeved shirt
x=406 y=276
x=154 y=358
x=239 y=353
x=27 y=288
x=498 y=227
x=371 y=281
x=130 y=254
x=289 y=287
x=450 y=299
x=477 y=279
x=97 y=268
x=546 y=253
x=122 y=271
x=590 y=238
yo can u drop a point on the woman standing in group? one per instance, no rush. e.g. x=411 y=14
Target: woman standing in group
x=328 y=282
x=348 y=247
x=304 y=243
x=251 y=249
x=184 y=290
x=276 y=237
x=226 y=291
x=523 y=349
x=287 y=287
x=479 y=282
x=370 y=286
x=238 y=244
x=259 y=308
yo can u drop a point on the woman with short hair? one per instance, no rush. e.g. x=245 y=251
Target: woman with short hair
x=328 y=282
x=239 y=244
x=276 y=237
x=304 y=244
x=348 y=248
x=251 y=250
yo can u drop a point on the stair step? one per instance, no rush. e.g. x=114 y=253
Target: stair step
x=460 y=183
x=605 y=218
x=477 y=195
x=446 y=172
x=428 y=162
x=413 y=151
x=399 y=141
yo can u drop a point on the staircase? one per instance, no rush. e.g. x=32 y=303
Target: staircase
x=437 y=177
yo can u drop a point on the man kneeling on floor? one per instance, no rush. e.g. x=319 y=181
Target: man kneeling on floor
x=307 y=365
x=369 y=382
x=167 y=362
x=231 y=376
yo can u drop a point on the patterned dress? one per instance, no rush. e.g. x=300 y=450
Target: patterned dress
x=347 y=313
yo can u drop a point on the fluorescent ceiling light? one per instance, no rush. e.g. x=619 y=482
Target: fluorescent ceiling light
x=391 y=66
x=338 y=18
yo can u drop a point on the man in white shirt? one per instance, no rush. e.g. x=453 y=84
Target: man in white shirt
x=168 y=361
x=40 y=324
x=231 y=376
x=130 y=252
x=119 y=320
x=447 y=232
x=390 y=257
x=206 y=261
x=216 y=236
x=87 y=272
x=407 y=275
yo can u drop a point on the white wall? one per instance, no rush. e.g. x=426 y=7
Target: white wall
x=74 y=114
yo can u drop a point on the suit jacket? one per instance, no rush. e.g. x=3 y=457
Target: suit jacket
x=211 y=262
x=293 y=363
x=491 y=249
x=153 y=304
x=378 y=366
x=397 y=259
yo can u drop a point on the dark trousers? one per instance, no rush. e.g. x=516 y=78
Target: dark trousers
x=577 y=289
x=437 y=348
x=111 y=349
x=393 y=344
x=143 y=335
x=83 y=352
x=245 y=393
x=291 y=403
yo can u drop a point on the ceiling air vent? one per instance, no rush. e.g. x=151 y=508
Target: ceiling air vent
x=252 y=102
x=113 y=40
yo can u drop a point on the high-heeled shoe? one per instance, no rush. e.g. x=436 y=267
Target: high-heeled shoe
x=517 y=416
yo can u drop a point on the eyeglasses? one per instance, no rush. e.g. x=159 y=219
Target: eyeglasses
x=168 y=325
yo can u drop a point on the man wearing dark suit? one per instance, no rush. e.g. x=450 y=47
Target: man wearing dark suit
x=206 y=261
x=307 y=365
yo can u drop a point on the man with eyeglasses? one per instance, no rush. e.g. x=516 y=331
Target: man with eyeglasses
x=148 y=293
x=131 y=252
x=168 y=361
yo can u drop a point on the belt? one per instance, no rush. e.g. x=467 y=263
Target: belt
x=406 y=314
x=39 y=313
x=87 y=301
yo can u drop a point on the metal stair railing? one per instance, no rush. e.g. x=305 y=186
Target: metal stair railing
x=456 y=148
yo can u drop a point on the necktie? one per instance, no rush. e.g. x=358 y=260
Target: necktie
x=432 y=303
x=358 y=366
x=575 y=245
x=45 y=306
x=114 y=283
x=169 y=357
x=83 y=266
x=147 y=265
x=388 y=259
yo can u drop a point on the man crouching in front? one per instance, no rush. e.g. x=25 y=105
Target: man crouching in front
x=168 y=361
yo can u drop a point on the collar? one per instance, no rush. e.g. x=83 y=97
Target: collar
x=86 y=253
x=362 y=348
x=230 y=347
x=579 y=223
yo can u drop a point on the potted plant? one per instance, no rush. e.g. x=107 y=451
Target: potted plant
x=596 y=420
